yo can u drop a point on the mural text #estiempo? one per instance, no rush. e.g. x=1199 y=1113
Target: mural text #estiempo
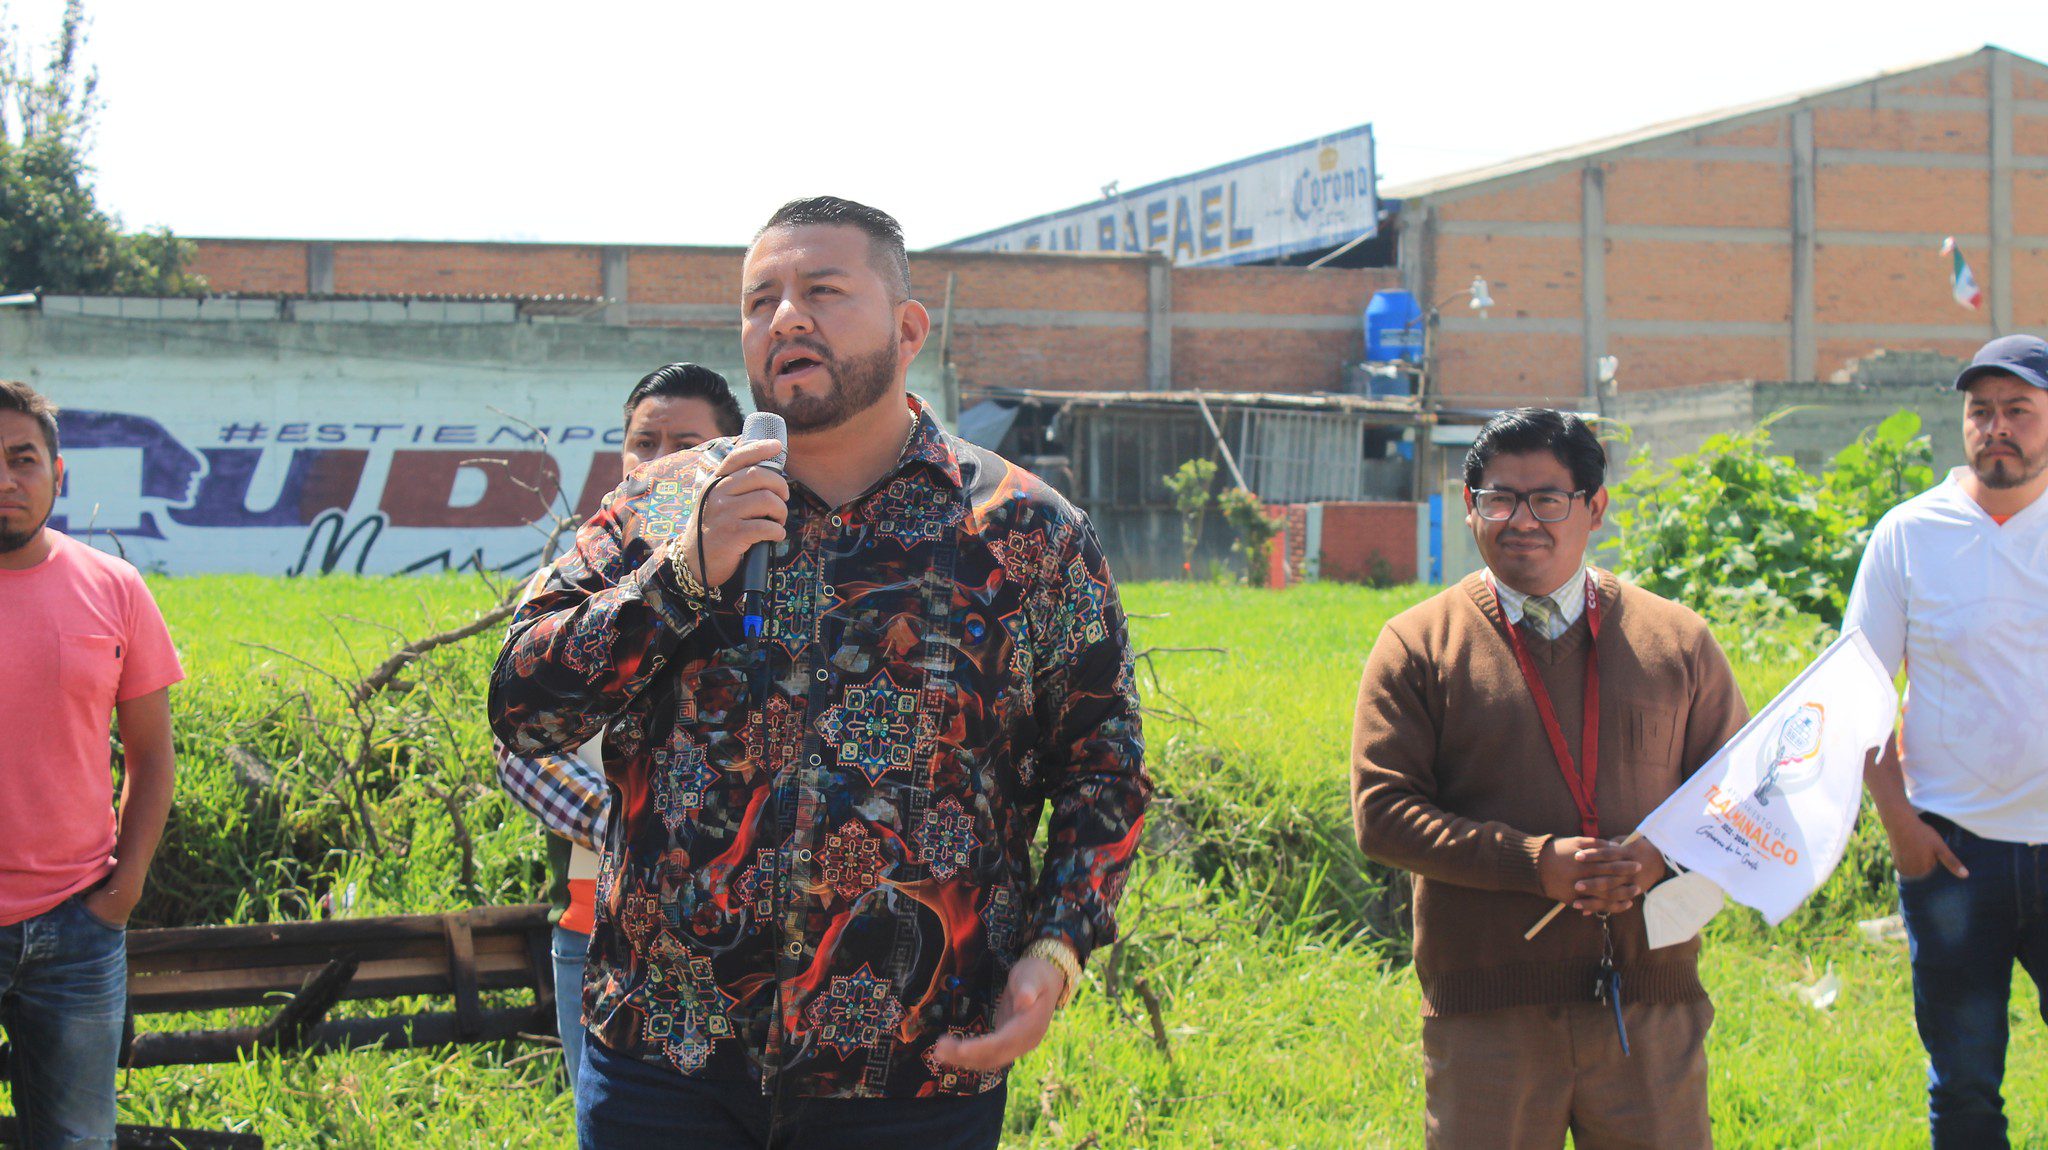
x=365 y=493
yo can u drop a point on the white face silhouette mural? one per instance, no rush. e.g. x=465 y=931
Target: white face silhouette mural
x=219 y=491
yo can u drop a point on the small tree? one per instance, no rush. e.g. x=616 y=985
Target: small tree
x=1189 y=485
x=1255 y=531
x=53 y=235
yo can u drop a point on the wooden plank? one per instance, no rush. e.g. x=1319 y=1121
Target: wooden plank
x=332 y=932
x=315 y=954
x=208 y=990
x=540 y=959
x=203 y=1047
x=462 y=968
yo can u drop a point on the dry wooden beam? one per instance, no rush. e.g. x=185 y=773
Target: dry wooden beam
x=201 y=1047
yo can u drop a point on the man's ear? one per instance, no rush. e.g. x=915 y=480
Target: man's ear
x=57 y=465
x=1597 y=503
x=913 y=327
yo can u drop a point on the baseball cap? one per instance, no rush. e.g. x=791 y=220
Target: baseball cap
x=2024 y=357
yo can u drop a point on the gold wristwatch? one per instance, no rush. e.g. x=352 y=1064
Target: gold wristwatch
x=1060 y=954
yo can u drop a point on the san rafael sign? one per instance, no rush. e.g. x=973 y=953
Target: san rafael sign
x=1313 y=195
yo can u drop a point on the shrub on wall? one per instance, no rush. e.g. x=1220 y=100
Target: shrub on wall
x=1744 y=536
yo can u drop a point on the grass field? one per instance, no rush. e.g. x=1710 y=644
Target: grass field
x=1288 y=1021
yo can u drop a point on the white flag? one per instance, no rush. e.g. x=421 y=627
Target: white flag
x=1768 y=817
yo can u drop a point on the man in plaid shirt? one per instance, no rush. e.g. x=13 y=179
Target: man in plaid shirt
x=671 y=409
x=818 y=913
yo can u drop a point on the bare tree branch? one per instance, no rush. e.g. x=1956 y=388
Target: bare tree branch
x=388 y=670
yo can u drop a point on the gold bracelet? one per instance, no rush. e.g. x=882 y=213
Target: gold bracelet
x=1058 y=952
x=692 y=587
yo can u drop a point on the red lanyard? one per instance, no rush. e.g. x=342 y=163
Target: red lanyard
x=1580 y=784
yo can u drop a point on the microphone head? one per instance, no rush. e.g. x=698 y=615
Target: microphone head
x=767 y=425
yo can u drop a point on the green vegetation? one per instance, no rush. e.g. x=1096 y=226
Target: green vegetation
x=1288 y=1016
x=1255 y=531
x=1751 y=540
x=53 y=235
x=1189 y=485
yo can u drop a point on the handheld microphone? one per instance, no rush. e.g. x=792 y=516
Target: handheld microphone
x=754 y=592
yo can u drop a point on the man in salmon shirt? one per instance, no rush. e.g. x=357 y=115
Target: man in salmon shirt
x=85 y=644
x=671 y=409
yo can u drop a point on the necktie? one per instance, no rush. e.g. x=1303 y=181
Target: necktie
x=1540 y=616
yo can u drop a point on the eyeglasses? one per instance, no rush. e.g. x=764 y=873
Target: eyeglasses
x=1498 y=505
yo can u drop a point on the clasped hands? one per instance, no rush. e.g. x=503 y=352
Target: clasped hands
x=1598 y=876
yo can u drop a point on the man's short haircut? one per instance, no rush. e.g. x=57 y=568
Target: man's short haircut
x=1523 y=430
x=689 y=381
x=18 y=396
x=885 y=235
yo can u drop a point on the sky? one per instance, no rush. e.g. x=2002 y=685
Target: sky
x=686 y=122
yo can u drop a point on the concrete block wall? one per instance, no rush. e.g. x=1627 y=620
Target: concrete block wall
x=1821 y=420
x=1768 y=245
x=1030 y=320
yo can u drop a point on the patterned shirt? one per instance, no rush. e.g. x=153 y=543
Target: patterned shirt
x=564 y=791
x=816 y=888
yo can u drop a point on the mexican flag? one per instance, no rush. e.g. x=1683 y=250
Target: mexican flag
x=1961 y=283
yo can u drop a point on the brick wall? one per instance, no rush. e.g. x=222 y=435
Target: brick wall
x=1052 y=321
x=254 y=267
x=1694 y=239
x=507 y=269
x=1359 y=541
x=1357 y=534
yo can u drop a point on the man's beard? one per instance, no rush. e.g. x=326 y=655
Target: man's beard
x=2017 y=469
x=858 y=383
x=12 y=541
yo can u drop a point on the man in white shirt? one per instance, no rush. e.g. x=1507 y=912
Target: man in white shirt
x=1954 y=586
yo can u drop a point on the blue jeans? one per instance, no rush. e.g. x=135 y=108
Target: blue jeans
x=570 y=949
x=624 y=1102
x=1965 y=935
x=63 y=995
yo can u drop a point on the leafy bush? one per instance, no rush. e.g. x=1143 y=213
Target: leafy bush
x=1190 y=487
x=54 y=236
x=1751 y=541
x=1255 y=531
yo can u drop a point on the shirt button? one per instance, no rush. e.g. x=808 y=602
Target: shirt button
x=817 y=761
x=838 y=522
x=823 y=674
x=796 y=949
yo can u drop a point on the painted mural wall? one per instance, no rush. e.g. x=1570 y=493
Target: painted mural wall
x=293 y=449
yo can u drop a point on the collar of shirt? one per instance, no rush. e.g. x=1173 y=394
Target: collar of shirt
x=929 y=444
x=1951 y=488
x=1570 y=598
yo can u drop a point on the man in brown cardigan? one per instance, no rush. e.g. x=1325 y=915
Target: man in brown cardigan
x=1470 y=769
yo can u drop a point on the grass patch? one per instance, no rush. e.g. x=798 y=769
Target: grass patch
x=1288 y=1020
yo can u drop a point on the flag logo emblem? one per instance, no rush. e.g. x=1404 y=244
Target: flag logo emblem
x=1791 y=759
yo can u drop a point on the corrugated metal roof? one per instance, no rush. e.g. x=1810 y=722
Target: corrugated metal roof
x=421 y=296
x=1311 y=401
x=1538 y=160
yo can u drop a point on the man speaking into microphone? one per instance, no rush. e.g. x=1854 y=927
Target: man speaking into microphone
x=819 y=921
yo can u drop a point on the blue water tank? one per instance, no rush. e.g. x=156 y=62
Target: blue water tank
x=1393 y=327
